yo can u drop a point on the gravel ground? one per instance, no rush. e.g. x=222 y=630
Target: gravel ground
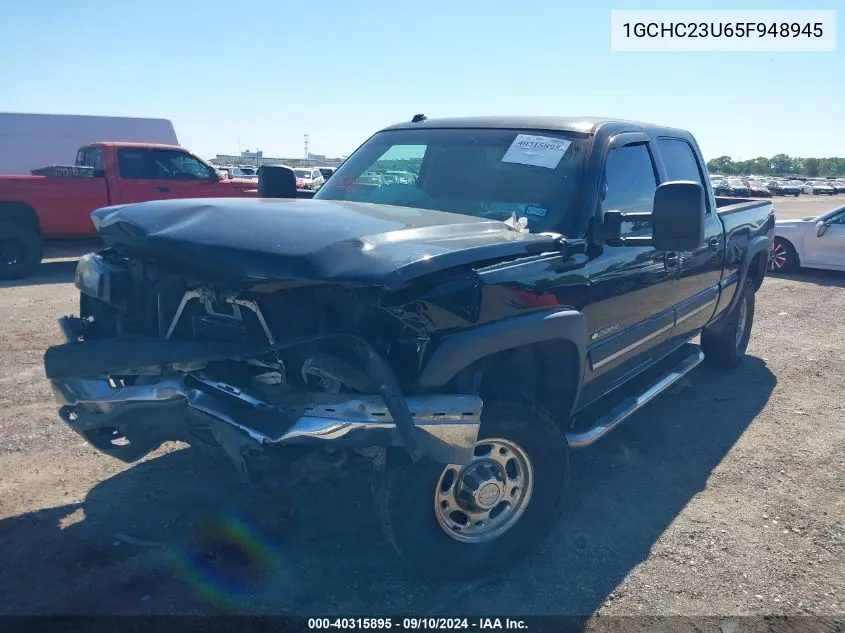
x=722 y=498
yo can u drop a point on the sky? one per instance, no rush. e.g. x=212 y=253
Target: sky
x=260 y=74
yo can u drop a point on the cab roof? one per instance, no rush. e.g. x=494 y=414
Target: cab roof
x=130 y=144
x=587 y=125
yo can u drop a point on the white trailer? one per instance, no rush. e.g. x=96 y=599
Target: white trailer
x=29 y=141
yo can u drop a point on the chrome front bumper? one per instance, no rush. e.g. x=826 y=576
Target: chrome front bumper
x=128 y=422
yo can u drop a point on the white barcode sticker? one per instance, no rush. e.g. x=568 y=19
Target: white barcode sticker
x=540 y=151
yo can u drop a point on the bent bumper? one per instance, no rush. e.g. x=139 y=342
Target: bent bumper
x=127 y=422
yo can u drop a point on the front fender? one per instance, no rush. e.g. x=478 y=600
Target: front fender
x=465 y=348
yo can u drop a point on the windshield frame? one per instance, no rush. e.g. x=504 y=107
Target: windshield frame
x=565 y=222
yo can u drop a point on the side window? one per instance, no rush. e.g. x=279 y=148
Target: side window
x=134 y=164
x=629 y=185
x=97 y=158
x=91 y=157
x=837 y=218
x=680 y=162
x=168 y=164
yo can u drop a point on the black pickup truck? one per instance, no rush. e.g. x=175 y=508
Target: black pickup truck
x=520 y=288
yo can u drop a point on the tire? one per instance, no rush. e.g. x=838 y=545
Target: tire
x=797 y=194
x=724 y=344
x=20 y=250
x=406 y=496
x=784 y=257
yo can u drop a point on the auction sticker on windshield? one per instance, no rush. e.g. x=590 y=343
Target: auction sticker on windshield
x=540 y=151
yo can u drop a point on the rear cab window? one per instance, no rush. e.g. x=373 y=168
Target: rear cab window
x=681 y=163
x=90 y=157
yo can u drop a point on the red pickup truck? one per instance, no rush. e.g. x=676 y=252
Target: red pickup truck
x=59 y=204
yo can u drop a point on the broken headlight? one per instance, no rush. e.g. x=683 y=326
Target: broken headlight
x=104 y=280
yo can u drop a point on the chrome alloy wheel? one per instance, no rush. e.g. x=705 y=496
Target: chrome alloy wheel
x=779 y=256
x=478 y=502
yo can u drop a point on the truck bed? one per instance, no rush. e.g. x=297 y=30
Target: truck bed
x=64 y=203
x=725 y=204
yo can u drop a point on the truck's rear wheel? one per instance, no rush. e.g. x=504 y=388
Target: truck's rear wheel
x=464 y=521
x=725 y=343
x=20 y=250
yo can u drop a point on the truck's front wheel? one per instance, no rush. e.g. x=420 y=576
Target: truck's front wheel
x=461 y=521
x=20 y=250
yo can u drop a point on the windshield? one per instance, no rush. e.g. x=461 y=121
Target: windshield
x=492 y=173
x=302 y=173
x=830 y=214
x=736 y=182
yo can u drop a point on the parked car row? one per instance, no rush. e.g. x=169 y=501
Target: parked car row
x=785 y=187
x=765 y=187
x=740 y=188
x=307 y=178
x=824 y=187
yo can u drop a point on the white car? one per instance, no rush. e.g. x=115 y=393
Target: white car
x=817 y=187
x=308 y=178
x=248 y=171
x=817 y=242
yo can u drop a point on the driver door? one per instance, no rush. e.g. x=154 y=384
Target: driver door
x=827 y=250
x=134 y=181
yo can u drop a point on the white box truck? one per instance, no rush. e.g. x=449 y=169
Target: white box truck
x=29 y=141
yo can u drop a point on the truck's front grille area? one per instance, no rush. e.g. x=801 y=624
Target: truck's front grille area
x=218 y=329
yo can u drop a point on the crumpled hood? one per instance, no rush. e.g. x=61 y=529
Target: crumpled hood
x=307 y=240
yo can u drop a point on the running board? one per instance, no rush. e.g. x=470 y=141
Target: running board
x=615 y=416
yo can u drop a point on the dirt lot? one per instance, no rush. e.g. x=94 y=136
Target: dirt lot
x=722 y=498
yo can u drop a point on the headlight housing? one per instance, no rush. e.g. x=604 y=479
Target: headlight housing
x=104 y=280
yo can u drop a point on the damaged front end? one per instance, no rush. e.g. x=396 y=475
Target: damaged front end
x=245 y=373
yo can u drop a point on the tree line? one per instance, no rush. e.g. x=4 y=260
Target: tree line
x=779 y=165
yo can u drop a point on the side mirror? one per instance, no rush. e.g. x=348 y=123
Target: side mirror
x=677 y=219
x=821 y=228
x=276 y=181
x=678 y=216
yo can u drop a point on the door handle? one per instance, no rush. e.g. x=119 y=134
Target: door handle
x=164 y=189
x=671 y=259
x=714 y=243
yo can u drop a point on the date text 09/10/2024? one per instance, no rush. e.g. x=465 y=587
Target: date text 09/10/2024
x=410 y=624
